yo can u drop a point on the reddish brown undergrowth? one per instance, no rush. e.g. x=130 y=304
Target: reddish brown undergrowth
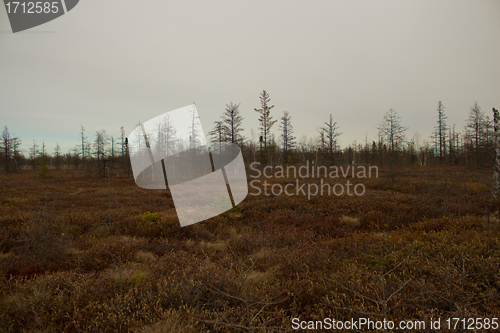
x=76 y=255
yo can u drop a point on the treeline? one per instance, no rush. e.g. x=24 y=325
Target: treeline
x=103 y=153
x=472 y=147
x=99 y=156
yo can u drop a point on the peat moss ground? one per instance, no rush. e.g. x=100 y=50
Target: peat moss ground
x=79 y=254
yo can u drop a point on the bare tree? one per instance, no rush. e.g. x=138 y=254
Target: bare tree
x=83 y=139
x=124 y=161
x=112 y=150
x=287 y=135
x=265 y=119
x=6 y=150
x=100 y=144
x=57 y=155
x=232 y=123
x=34 y=154
x=392 y=131
x=475 y=123
x=88 y=152
x=167 y=137
x=193 y=137
x=495 y=188
x=218 y=134
x=43 y=149
x=440 y=134
x=122 y=141
x=329 y=134
x=16 y=151
x=127 y=157
x=453 y=139
x=321 y=139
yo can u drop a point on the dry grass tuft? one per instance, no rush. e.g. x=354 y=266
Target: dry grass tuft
x=189 y=243
x=217 y=246
x=73 y=251
x=349 y=221
x=235 y=215
x=128 y=274
x=145 y=257
x=263 y=253
x=104 y=231
x=263 y=277
x=172 y=322
x=118 y=274
x=232 y=232
x=380 y=235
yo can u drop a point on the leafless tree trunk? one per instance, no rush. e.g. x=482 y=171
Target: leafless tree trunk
x=392 y=130
x=441 y=132
x=83 y=138
x=167 y=137
x=329 y=134
x=496 y=170
x=100 y=149
x=57 y=155
x=232 y=123
x=475 y=123
x=193 y=138
x=265 y=119
x=6 y=150
x=34 y=153
x=287 y=135
x=453 y=145
x=218 y=133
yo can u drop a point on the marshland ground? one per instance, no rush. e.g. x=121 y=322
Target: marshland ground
x=81 y=254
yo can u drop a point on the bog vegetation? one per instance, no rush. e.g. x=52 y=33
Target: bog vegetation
x=81 y=254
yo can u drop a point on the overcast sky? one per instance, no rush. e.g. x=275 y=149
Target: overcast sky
x=112 y=63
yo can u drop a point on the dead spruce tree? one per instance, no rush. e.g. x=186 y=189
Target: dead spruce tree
x=232 y=123
x=328 y=135
x=393 y=133
x=496 y=169
x=440 y=134
x=265 y=123
x=475 y=123
x=265 y=119
x=287 y=136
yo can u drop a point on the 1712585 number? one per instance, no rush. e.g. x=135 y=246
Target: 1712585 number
x=472 y=323
x=32 y=7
